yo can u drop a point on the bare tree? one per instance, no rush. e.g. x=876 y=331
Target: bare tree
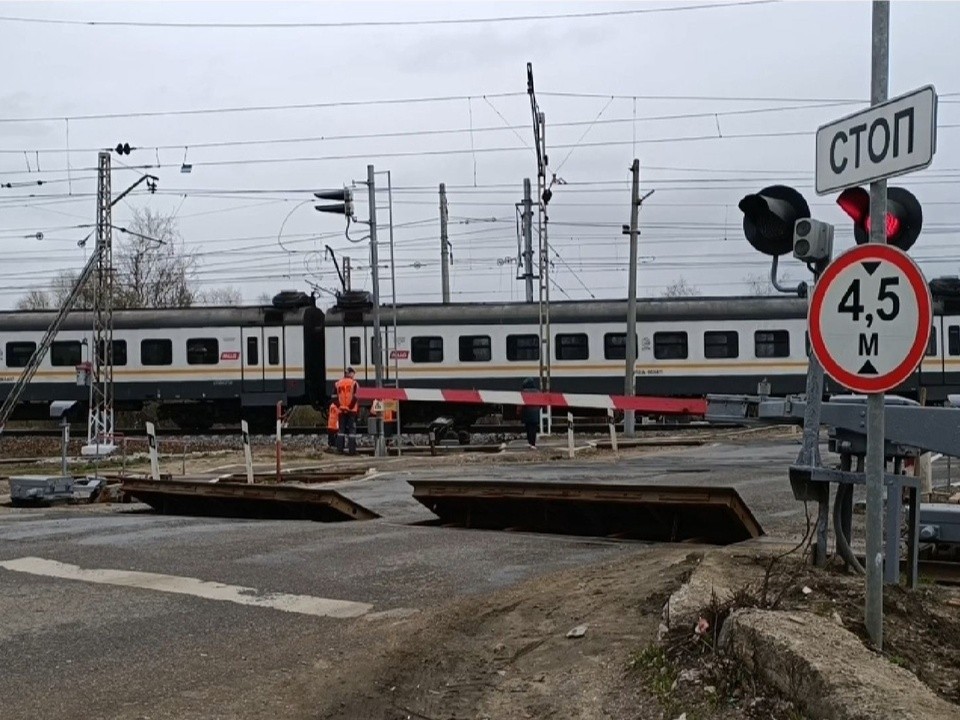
x=153 y=269
x=264 y=299
x=680 y=288
x=759 y=283
x=228 y=295
x=35 y=300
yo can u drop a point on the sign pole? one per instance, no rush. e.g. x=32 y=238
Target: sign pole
x=875 y=461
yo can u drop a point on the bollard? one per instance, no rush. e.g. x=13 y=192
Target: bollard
x=152 y=444
x=247 y=456
x=570 y=450
x=279 y=441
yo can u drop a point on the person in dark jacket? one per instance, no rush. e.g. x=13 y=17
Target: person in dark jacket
x=530 y=414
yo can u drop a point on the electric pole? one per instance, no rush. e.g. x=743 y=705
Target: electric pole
x=380 y=447
x=527 y=224
x=629 y=385
x=544 y=194
x=346 y=273
x=444 y=247
x=100 y=438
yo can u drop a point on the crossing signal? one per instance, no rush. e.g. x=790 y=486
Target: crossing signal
x=904 y=218
x=343 y=207
x=769 y=217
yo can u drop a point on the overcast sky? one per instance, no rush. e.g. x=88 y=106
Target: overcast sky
x=696 y=70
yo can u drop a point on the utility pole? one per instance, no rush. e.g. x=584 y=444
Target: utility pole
x=543 y=197
x=875 y=460
x=527 y=224
x=629 y=385
x=376 y=341
x=346 y=273
x=444 y=246
x=100 y=438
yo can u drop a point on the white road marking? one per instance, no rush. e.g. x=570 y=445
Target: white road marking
x=303 y=604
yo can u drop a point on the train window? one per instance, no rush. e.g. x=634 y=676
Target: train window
x=355 y=358
x=253 y=351
x=426 y=349
x=273 y=350
x=721 y=344
x=67 y=353
x=203 y=351
x=119 y=352
x=19 y=353
x=573 y=346
x=670 y=345
x=771 y=343
x=475 y=348
x=523 y=347
x=615 y=346
x=932 y=344
x=953 y=339
x=156 y=352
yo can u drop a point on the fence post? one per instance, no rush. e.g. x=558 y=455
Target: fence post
x=279 y=441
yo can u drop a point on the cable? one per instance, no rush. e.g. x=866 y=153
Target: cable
x=379 y=23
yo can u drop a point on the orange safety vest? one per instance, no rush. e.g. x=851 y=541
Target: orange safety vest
x=333 y=417
x=347 y=394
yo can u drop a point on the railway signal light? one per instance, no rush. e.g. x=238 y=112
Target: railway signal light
x=343 y=207
x=904 y=215
x=769 y=217
x=123 y=149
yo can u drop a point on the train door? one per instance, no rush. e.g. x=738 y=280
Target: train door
x=251 y=340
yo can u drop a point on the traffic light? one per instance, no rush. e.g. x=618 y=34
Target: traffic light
x=122 y=149
x=769 y=217
x=344 y=207
x=904 y=215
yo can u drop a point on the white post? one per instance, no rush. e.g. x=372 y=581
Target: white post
x=152 y=444
x=570 y=434
x=613 y=431
x=247 y=455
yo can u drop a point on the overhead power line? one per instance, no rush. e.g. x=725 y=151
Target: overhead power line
x=379 y=23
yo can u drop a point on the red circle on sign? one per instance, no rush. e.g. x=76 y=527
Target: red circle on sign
x=918 y=284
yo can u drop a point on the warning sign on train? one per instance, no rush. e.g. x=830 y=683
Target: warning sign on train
x=870 y=318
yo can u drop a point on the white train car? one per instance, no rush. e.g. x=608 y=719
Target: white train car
x=201 y=365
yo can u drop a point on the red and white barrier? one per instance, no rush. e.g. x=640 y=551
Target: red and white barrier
x=639 y=403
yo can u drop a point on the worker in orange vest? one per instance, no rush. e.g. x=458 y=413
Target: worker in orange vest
x=333 y=422
x=347 y=388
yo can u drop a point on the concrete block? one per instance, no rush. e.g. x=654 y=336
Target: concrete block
x=827 y=669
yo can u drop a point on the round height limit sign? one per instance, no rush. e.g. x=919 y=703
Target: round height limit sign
x=870 y=318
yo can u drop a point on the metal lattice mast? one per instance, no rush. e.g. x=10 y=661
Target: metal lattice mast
x=544 y=193
x=100 y=420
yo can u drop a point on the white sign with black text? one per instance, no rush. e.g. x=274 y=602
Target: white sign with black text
x=886 y=140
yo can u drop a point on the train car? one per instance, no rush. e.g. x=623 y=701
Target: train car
x=201 y=365
x=686 y=347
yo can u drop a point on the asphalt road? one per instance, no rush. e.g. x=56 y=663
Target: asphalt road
x=113 y=612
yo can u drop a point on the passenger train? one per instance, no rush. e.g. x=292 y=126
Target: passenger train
x=215 y=365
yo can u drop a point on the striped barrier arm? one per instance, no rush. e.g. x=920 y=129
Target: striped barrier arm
x=639 y=403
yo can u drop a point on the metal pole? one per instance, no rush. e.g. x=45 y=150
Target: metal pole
x=379 y=448
x=528 y=239
x=444 y=247
x=875 y=427
x=393 y=290
x=629 y=382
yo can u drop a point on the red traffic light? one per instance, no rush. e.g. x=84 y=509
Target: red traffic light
x=904 y=218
